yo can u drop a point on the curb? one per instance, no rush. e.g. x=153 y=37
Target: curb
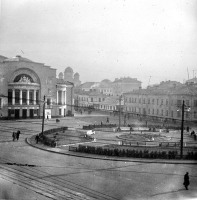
x=97 y=157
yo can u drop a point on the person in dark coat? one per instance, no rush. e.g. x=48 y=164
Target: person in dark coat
x=107 y=120
x=186 y=181
x=14 y=136
x=18 y=134
x=37 y=139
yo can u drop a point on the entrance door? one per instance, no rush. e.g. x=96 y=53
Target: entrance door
x=17 y=113
x=24 y=116
x=31 y=113
x=64 y=112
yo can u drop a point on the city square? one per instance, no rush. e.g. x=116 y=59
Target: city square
x=98 y=100
x=80 y=176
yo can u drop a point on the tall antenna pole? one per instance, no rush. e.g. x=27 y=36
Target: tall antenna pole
x=188 y=73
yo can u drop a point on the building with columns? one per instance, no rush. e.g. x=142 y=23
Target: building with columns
x=23 y=86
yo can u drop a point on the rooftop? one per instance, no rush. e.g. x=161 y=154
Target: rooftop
x=18 y=58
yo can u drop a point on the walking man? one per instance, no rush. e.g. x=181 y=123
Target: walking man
x=186 y=181
x=18 y=134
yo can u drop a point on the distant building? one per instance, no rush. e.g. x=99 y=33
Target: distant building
x=88 y=86
x=23 y=85
x=126 y=84
x=192 y=81
x=163 y=101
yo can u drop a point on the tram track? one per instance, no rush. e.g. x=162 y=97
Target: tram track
x=55 y=188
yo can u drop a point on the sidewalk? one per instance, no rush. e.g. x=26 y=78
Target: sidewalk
x=31 y=141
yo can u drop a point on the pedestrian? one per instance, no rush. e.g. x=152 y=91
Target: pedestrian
x=186 y=180
x=18 y=134
x=14 y=136
x=107 y=120
x=37 y=139
x=130 y=129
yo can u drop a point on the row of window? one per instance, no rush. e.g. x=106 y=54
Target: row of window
x=159 y=112
x=159 y=101
x=106 y=107
x=24 y=97
x=91 y=99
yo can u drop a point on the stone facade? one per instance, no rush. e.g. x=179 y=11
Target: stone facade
x=163 y=102
x=25 y=83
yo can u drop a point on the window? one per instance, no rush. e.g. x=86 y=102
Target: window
x=31 y=96
x=166 y=112
x=9 y=96
x=148 y=101
x=37 y=97
x=60 y=111
x=172 y=114
x=195 y=114
x=179 y=102
x=195 y=103
x=48 y=101
x=187 y=114
x=166 y=102
x=178 y=113
x=153 y=101
x=17 y=96
x=24 y=97
x=187 y=102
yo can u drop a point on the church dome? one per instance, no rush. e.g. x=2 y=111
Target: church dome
x=61 y=75
x=69 y=70
x=76 y=74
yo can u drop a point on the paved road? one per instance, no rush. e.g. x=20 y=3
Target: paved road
x=29 y=173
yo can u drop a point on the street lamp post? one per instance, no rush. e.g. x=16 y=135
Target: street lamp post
x=119 y=112
x=182 y=128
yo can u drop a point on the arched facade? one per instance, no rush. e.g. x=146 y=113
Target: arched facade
x=25 y=84
x=23 y=94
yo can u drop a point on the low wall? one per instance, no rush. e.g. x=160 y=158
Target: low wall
x=48 y=141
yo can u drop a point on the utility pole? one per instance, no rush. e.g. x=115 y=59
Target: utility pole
x=119 y=112
x=182 y=128
x=43 y=116
x=72 y=99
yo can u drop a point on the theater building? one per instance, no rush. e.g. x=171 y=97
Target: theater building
x=25 y=84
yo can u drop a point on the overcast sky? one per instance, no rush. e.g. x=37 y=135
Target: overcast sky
x=151 y=40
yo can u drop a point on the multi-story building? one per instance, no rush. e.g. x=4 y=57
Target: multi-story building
x=123 y=85
x=91 y=99
x=163 y=101
x=23 y=86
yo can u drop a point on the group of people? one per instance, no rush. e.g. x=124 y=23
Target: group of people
x=16 y=135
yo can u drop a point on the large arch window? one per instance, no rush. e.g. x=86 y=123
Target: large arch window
x=23 y=78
